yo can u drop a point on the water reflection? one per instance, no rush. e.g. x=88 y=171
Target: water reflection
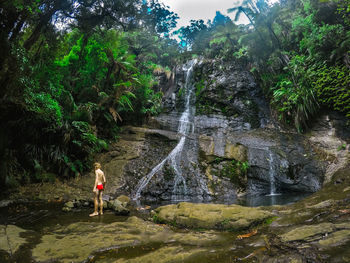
x=268 y=200
x=248 y=200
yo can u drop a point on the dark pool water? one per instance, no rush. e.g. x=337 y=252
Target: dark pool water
x=247 y=200
x=269 y=200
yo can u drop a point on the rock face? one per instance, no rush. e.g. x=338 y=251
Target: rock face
x=233 y=130
x=330 y=138
x=234 y=148
x=211 y=216
x=287 y=157
x=227 y=90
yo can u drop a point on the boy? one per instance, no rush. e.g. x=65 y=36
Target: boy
x=100 y=182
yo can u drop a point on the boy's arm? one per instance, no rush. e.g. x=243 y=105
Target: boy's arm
x=95 y=185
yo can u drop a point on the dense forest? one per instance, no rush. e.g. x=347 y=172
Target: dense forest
x=72 y=72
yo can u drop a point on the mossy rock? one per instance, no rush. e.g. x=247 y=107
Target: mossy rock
x=124 y=199
x=336 y=239
x=237 y=152
x=10 y=239
x=304 y=233
x=78 y=241
x=211 y=216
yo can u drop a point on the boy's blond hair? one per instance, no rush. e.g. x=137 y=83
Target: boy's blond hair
x=97 y=166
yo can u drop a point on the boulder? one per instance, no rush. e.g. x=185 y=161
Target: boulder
x=125 y=200
x=118 y=207
x=68 y=206
x=211 y=216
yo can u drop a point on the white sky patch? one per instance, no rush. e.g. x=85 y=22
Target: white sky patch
x=203 y=9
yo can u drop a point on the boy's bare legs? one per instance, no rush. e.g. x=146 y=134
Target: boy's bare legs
x=101 y=202
x=95 y=213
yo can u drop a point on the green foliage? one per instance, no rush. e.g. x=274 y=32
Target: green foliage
x=332 y=86
x=44 y=105
x=285 y=46
x=344 y=10
x=236 y=171
x=189 y=33
x=199 y=87
x=66 y=90
x=341 y=147
x=163 y=20
x=86 y=138
x=75 y=166
x=270 y=220
x=294 y=96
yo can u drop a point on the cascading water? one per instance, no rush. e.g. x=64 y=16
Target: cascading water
x=272 y=175
x=185 y=127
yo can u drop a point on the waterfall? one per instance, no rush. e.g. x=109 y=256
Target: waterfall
x=272 y=175
x=185 y=127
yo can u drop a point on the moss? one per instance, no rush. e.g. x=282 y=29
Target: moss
x=307 y=232
x=269 y=221
x=212 y=216
x=199 y=87
x=156 y=219
x=336 y=239
x=236 y=171
x=10 y=238
x=77 y=241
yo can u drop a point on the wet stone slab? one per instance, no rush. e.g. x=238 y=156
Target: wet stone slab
x=10 y=238
x=78 y=241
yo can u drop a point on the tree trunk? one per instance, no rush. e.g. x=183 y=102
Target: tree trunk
x=252 y=22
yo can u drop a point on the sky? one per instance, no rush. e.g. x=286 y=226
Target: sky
x=202 y=9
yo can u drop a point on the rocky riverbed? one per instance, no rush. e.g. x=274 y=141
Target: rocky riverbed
x=316 y=229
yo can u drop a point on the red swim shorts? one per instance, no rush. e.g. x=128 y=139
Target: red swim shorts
x=100 y=186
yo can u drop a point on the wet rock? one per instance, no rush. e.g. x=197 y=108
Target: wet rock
x=237 y=152
x=10 y=239
x=211 y=216
x=76 y=242
x=330 y=136
x=306 y=232
x=118 y=207
x=68 y=206
x=167 y=254
x=4 y=203
x=336 y=239
x=230 y=91
x=327 y=231
x=125 y=200
x=323 y=204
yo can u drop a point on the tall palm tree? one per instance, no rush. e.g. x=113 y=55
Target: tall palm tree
x=251 y=10
x=258 y=12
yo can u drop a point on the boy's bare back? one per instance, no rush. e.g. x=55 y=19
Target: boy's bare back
x=100 y=176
